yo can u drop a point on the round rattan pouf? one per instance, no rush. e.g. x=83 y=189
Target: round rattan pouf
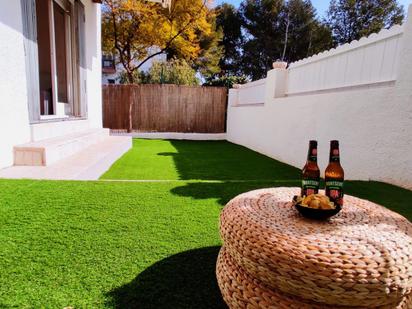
x=274 y=258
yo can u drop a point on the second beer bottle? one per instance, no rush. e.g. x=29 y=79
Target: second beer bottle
x=334 y=175
x=311 y=172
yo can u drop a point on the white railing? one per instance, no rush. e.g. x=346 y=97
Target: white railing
x=252 y=93
x=370 y=60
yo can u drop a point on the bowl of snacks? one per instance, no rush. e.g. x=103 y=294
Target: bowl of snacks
x=316 y=206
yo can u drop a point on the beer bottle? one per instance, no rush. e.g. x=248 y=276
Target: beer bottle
x=334 y=175
x=311 y=172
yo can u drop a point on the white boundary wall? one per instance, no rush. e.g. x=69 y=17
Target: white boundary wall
x=360 y=94
x=370 y=60
x=252 y=93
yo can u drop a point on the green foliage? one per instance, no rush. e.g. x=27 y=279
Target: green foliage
x=130 y=28
x=210 y=50
x=226 y=81
x=138 y=77
x=350 y=20
x=207 y=63
x=229 y=21
x=175 y=71
x=305 y=34
x=275 y=30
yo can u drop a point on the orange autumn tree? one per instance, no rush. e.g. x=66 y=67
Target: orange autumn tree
x=132 y=28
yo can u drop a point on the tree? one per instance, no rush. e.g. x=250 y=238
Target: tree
x=229 y=21
x=207 y=60
x=263 y=36
x=304 y=34
x=352 y=19
x=279 y=30
x=207 y=63
x=174 y=71
x=131 y=28
x=226 y=81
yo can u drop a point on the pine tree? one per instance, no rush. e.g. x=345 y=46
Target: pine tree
x=352 y=19
x=279 y=30
x=228 y=20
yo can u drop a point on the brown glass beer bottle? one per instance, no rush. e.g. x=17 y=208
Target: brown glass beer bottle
x=311 y=172
x=334 y=175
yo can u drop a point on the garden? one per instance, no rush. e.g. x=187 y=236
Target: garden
x=145 y=235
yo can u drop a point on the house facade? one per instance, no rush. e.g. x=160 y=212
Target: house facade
x=112 y=69
x=50 y=57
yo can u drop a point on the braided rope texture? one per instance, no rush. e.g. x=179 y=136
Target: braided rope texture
x=361 y=258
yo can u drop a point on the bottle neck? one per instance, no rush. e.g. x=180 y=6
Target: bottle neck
x=334 y=155
x=312 y=154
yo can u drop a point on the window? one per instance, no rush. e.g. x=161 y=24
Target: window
x=111 y=81
x=108 y=64
x=44 y=51
x=60 y=52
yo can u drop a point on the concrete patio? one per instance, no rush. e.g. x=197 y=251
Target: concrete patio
x=87 y=164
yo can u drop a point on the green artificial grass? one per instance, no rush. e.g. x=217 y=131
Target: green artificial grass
x=110 y=244
x=201 y=160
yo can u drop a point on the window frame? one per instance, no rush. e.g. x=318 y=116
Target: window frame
x=76 y=104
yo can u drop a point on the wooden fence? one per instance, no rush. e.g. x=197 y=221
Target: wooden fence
x=165 y=108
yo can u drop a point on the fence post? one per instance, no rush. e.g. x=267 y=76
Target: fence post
x=233 y=99
x=275 y=84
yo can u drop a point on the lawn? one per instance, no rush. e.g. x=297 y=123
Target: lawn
x=147 y=243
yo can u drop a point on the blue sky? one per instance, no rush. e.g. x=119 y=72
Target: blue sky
x=321 y=5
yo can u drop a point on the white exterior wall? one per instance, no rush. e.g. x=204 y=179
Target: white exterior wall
x=14 y=117
x=15 y=128
x=372 y=121
x=94 y=63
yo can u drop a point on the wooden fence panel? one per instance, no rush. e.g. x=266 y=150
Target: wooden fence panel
x=165 y=108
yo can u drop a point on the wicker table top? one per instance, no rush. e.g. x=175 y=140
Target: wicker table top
x=361 y=257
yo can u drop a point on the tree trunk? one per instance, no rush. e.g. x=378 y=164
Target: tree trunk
x=131 y=102
x=286 y=38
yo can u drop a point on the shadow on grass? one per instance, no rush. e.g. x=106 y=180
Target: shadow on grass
x=223 y=192
x=392 y=197
x=184 y=280
x=224 y=161
x=221 y=160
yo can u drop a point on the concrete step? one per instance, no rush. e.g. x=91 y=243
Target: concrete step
x=49 y=151
x=88 y=164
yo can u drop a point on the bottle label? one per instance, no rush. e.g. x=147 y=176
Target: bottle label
x=313 y=155
x=334 y=155
x=309 y=186
x=334 y=190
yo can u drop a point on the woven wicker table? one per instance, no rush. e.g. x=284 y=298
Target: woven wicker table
x=274 y=258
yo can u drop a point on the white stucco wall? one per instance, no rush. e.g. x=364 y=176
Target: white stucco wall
x=14 y=118
x=373 y=123
x=94 y=63
x=374 y=128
